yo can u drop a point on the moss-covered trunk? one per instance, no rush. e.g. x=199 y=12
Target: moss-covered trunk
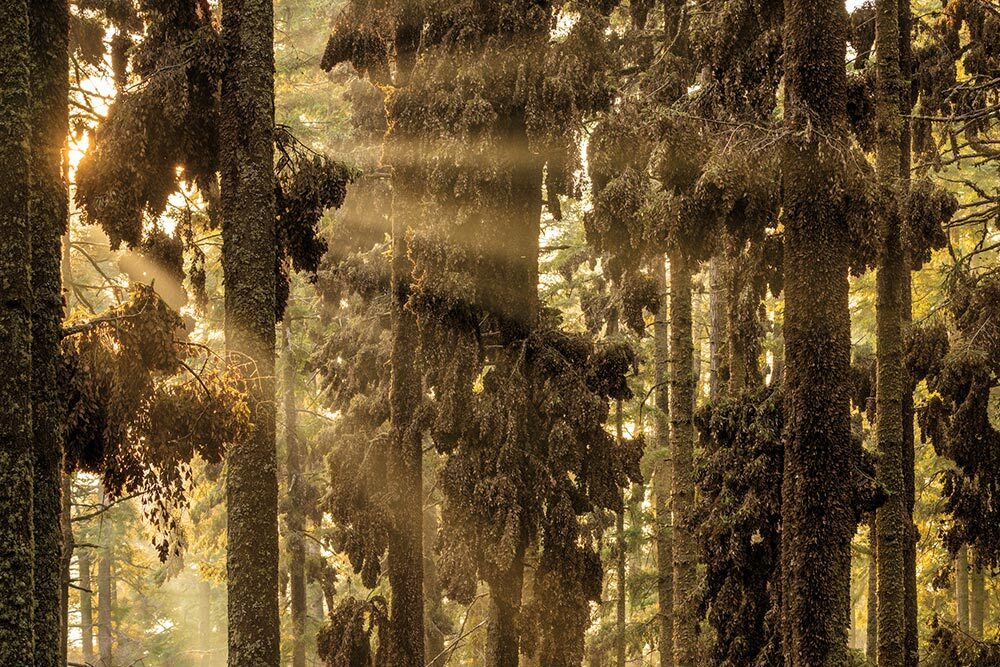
x=682 y=455
x=962 y=589
x=910 y=643
x=16 y=455
x=404 y=462
x=295 y=520
x=502 y=635
x=891 y=525
x=662 y=472
x=977 y=601
x=871 y=643
x=248 y=264
x=516 y=293
x=49 y=31
x=817 y=508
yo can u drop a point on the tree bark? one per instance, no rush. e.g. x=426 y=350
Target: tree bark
x=891 y=525
x=502 y=635
x=105 y=602
x=433 y=611
x=404 y=466
x=205 y=622
x=16 y=449
x=86 y=607
x=620 y=570
x=871 y=644
x=248 y=264
x=817 y=508
x=662 y=473
x=962 y=589
x=682 y=455
x=911 y=642
x=977 y=601
x=717 y=327
x=404 y=460
x=49 y=38
x=295 y=518
x=67 y=559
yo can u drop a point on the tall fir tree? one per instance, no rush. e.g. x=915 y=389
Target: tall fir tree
x=49 y=35
x=17 y=548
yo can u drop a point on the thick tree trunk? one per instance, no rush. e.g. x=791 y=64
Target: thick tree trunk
x=404 y=462
x=404 y=466
x=962 y=589
x=105 y=603
x=86 y=607
x=49 y=33
x=248 y=263
x=295 y=518
x=910 y=643
x=662 y=472
x=977 y=601
x=871 y=644
x=16 y=451
x=891 y=524
x=530 y=568
x=682 y=455
x=502 y=635
x=817 y=508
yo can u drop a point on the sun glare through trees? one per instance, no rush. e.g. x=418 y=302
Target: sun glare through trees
x=500 y=333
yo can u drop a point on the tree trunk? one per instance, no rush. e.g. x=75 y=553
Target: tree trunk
x=16 y=449
x=891 y=525
x=871 y=644
x=910 y=643
x=295 y=519
x=717 y=327
x=67 y=559
x=977 y=606
x=205 y=622
x=817 y=508
x=434 y=614
x=49 y=35
x=530 y=568
x=86 y=607
x=962 y=589
x=682 y=451
x=404 y=465
x=248 y=263
x=404 y=460
x=620 y=558
x=105 y=602
x=502 y=635
x=662 y=473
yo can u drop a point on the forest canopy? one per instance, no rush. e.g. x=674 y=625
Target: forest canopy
x=541 y=333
